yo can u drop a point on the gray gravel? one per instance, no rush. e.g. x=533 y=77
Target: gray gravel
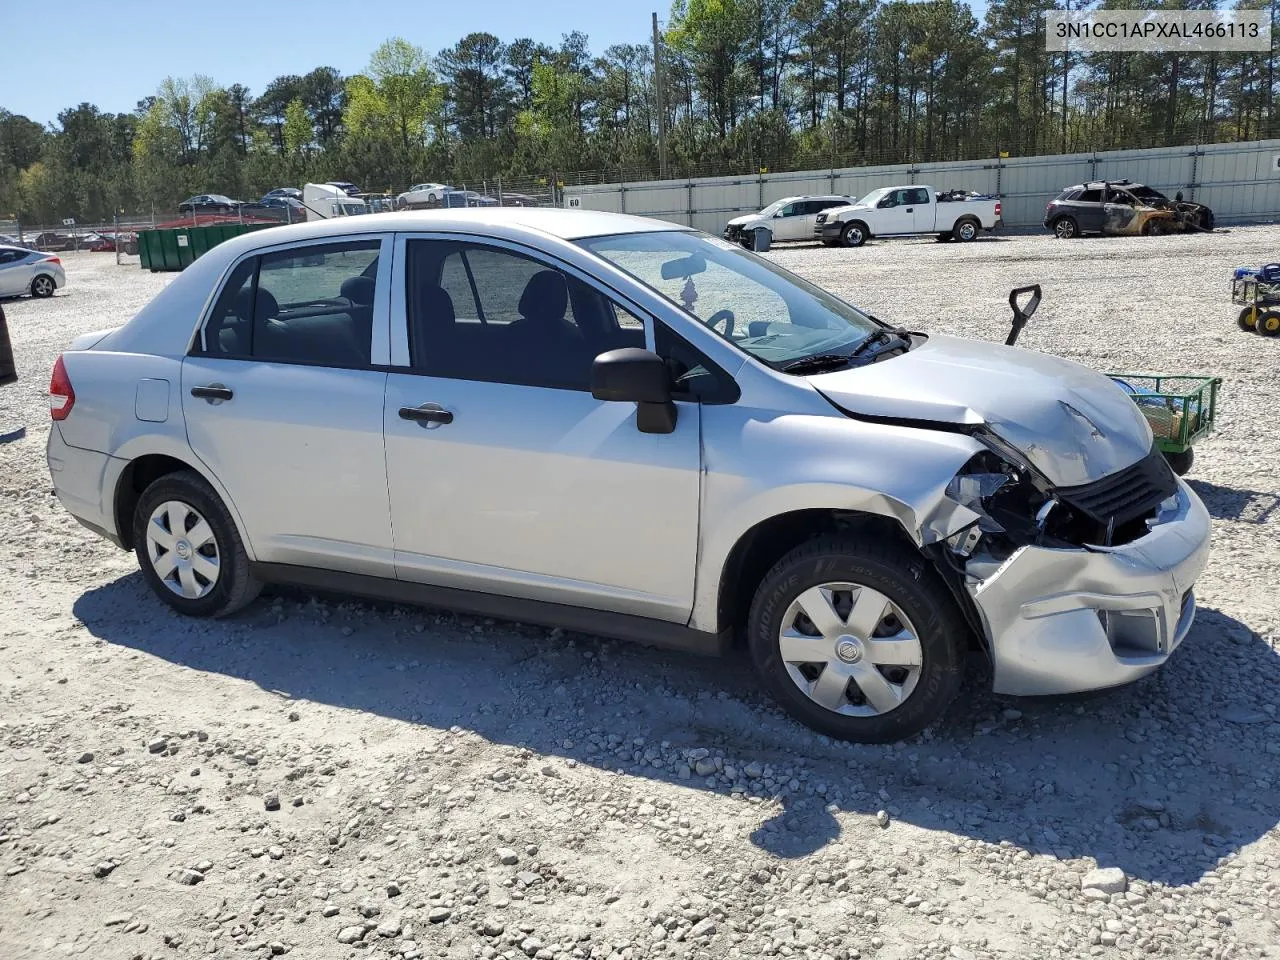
x=528 y=793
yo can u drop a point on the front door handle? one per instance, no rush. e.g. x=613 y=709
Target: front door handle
x=213 y=392
x=911 y=210
x=429 y=415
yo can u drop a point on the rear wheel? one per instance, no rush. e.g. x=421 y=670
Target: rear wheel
x=189 y=549
x=854 y=234
x=43 y=286
x=1066 y=228
x=1268 y=323
x=967 y=230
x=857 y=640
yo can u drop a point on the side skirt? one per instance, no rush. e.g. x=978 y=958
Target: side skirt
x=621 y=626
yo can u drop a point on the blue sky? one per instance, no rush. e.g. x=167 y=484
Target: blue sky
x=114 y=52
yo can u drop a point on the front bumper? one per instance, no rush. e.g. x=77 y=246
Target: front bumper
x=1064 y=621
x=829 y=230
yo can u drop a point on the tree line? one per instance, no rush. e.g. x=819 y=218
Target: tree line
x=746 y=85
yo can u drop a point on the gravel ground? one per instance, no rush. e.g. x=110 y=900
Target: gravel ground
x=334 y=779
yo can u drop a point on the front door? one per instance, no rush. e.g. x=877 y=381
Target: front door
x=283 y=406
x=792 y=223
x=505 y=474
x=896 y=214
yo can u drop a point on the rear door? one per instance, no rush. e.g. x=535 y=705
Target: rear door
x=923 y=210
x=283 y=395
x=1087 y=209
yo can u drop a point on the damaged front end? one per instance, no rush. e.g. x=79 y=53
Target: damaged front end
x=1074 y=588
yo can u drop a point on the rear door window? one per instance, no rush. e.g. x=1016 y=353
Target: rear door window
x=1090 y=196
x=310 y=305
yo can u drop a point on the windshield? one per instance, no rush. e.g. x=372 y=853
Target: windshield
x=772 y=208
x=872 y=198
x=1147 y=193
x=766 y=310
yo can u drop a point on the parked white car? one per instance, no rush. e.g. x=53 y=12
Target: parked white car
x=791 y=218
x=907 y=210
x=29 y=271
x=423 y=195
x=630 y=428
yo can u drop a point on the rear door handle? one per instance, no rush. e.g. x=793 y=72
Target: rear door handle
x=429 y=415
x=213 y=392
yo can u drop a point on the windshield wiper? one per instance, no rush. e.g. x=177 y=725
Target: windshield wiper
x=819 y=361
x=885 y=335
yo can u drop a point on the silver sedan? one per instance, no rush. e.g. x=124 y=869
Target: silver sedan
x=29 y=271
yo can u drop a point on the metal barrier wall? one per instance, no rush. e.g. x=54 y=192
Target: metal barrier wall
x=1240 y=181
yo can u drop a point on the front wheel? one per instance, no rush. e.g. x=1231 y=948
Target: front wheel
x=854 y=235
x=1268 y=323
x=1248 y=318
x=189 y=549
x=1066 y=228
x=858 y=640
x=966 y=230
x=1180 y=461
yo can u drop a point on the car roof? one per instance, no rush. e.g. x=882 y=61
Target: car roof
x=1097 y=184
x=559 y=222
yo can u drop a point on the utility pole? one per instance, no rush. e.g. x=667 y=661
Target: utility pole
x=659 y=100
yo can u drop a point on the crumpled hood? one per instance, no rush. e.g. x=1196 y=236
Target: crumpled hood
x=1072 y=423
x=749 y=218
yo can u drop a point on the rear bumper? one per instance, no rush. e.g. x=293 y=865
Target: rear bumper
x=81 y=481
x=1064 y=621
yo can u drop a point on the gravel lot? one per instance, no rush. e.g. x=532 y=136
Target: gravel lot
x=334 y=779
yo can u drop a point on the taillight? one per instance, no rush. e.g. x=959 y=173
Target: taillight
x=61 y=397
x=57 y=260
x=999 y=209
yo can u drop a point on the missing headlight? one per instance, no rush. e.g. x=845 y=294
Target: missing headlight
x=1011 y=509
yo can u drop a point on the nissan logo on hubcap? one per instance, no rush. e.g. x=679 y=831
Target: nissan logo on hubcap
x=849 y=650
x=184 y=550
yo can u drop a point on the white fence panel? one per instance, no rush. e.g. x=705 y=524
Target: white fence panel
x=1239 y=181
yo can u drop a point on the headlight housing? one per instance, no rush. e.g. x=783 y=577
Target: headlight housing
x=1011 y=501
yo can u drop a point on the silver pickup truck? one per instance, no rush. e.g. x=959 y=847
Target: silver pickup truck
x=908 y=210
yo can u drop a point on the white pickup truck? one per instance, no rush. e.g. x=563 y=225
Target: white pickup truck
x=903 y=211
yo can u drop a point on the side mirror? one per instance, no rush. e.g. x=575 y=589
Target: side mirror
x=633 y=375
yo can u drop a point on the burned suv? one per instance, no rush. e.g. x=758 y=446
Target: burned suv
x=1122 y=208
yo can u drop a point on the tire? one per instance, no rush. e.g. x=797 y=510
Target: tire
x=1066 y=228
x=1248 y=319
x=854 y=234
x=1206 y=221
x=1268 y=323
x=1181 y=461
x=43 y=286
x=185 y=497
x=966 y=231
x=910 y=696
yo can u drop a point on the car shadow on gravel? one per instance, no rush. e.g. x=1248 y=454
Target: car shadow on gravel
x=1233 y=503
x=1162 y=778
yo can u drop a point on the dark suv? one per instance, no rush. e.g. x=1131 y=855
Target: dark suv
x=1122 y=208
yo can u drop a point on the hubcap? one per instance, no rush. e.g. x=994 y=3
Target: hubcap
x=966 y=231
x=850 y=649
x=183 y=550
x=1065 y=229
x=42 y=286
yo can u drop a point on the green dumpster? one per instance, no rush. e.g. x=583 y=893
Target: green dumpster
x=177 y=249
